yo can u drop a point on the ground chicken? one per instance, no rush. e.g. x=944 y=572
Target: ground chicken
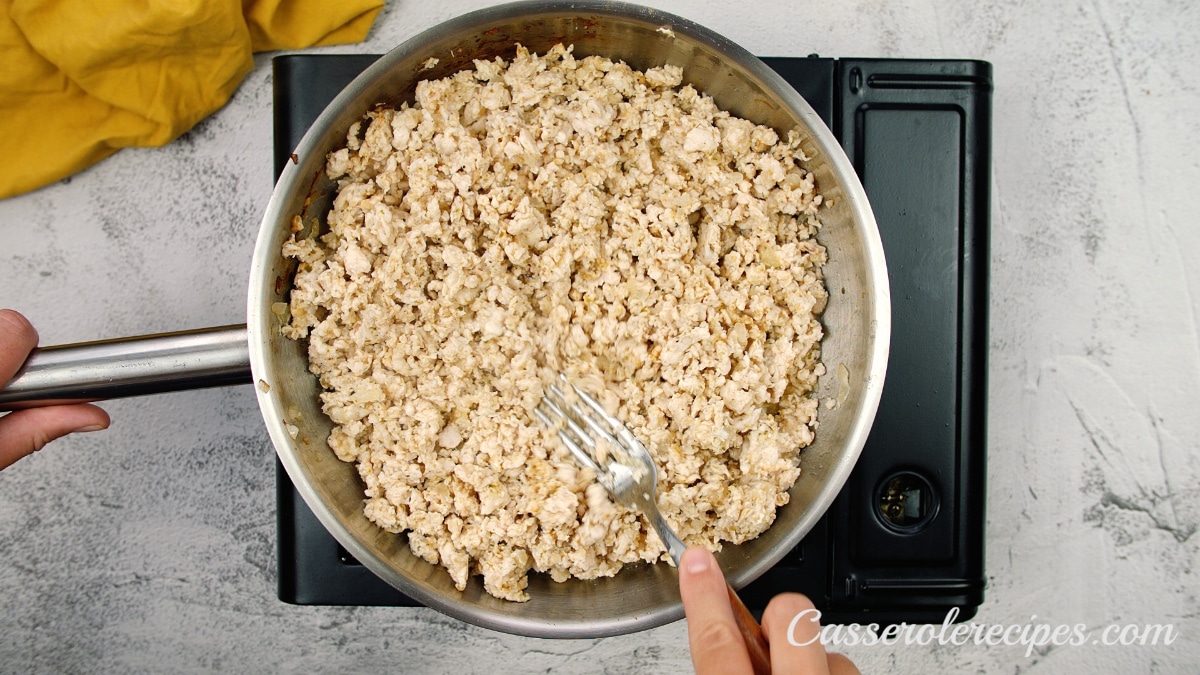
x=553 y=214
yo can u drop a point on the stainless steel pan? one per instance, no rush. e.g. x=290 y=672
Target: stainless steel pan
x=857 y=320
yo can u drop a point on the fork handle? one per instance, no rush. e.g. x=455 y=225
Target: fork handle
x=752 y=634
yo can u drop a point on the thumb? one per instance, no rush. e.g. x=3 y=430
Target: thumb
x=713 y=636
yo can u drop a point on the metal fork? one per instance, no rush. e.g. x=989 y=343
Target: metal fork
x=625 y=468
x=600 y=441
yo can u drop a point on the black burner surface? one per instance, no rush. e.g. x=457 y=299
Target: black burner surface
x=904 y=539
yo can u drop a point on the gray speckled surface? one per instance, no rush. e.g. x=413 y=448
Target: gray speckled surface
x=150 y=547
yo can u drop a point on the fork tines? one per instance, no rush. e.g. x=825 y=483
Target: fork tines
x=582 y=428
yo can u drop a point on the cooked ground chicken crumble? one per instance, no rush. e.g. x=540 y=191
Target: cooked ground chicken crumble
x=550 y=215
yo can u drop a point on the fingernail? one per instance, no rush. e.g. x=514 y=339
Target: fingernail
x=698 y=561
x=90 y=427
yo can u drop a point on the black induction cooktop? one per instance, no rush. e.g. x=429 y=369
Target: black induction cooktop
x=904 y=541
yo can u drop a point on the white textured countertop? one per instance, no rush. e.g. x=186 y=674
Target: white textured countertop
x=151 y=546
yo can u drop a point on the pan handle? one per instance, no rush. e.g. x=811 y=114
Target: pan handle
x=135 y=366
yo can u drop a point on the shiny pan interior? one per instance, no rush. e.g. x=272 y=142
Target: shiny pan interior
x=856 y=321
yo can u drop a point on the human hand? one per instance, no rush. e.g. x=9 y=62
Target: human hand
x=716 y=643
x=26 y=431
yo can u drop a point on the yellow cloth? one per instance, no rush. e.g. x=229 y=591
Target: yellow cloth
x=80 y=79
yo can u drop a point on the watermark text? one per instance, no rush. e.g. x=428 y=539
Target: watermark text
x=1031 y=635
